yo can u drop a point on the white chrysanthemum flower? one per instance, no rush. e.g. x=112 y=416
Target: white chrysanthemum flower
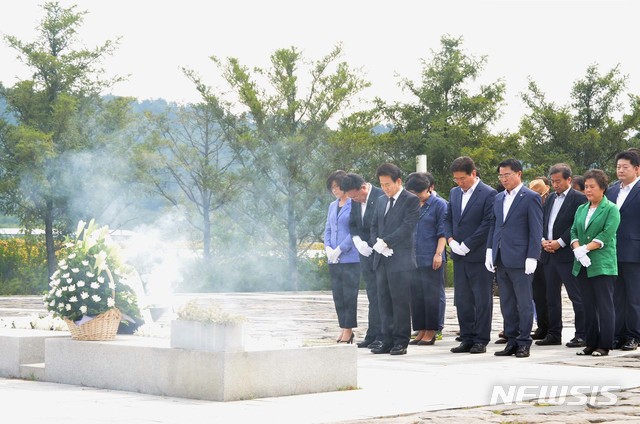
x=110 y=302
x=101 y=279
x=54 y=283
x=64 y=288
x=84 y=295
x=95 y=285
x=72 y=287
x=61 y=305
x=67 y=245
x=69 y=280
x=66 y=275
x=71 y=256
x=85 y=263
x=64 y=267
x=67 y=307
x=55 y=274
x=90 y=274
x=73 y=299
x=117 y=272
x=112 y=285
x=80 y=283
x=53 y=290
x=75 y=270
x=58 y=292
x=62 y=262
x=83 y=309
x=96 y=298
x=52 y=303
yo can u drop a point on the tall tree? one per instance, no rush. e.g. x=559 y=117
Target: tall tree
x=587 y=132
x=447 y=116
x=281 y=145
x=63 y=82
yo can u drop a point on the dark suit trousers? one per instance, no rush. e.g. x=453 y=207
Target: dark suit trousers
x=473 y=296
x=374 y=331
x=597 y=298
x=516 y=304
x=539 y=290
x=626 y=298
x=557 y=273
x=345 y=284
x=425 y=298
x=394 y=299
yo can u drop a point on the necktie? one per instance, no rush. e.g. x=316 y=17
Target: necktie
x=389 y=205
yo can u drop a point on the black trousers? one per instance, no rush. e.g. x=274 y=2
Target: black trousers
x=426 y=287
x=374 y=330
x=394 y=299
x=597 y=298
x=473 y=295
x=626 y=298
x=345 y=284
x=539 y=291
x=516 y=304
x=556 y=274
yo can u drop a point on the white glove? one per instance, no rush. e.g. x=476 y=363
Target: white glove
x=386 y=252
x=464 y=249
x=585 y=261
x=379 y=246
x=530 y=265
x=328 y=250
x=335 y=255
x=362 y=246
x=580 y=251
x=455 y=248
x=488 y=262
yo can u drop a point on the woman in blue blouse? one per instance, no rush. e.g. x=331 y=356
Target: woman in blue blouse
x=430 y=256
x=343 y=259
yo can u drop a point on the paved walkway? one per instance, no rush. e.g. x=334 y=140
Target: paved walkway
x=429 y=384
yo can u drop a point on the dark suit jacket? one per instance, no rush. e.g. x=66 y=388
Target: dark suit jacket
x=562 y=224
x=472 y=226
x=397 y=230
x=361 y=225
x=519 y=236
x=629 y=230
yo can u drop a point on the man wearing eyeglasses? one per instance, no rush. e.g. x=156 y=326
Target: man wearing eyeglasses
x=513 y=249
x=469 y=216
x=626 y=294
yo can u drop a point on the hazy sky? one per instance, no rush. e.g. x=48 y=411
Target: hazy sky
x=552 y=42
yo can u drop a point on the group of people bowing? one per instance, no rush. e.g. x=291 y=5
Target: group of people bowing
x=532 y=240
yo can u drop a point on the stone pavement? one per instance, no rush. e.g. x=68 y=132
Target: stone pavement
x=429 y=384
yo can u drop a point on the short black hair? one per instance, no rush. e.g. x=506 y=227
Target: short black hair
x=599 y=176
x=514 y=164
x=336 y=176
x=419 y=181
x=351 y=181
x=629 y=155
x=462 y=164
x=579 y=181
x=560 y=167
x=389 y=170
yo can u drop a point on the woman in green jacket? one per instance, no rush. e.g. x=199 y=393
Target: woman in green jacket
x=593 y=239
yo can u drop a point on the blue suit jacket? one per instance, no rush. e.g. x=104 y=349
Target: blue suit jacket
x=471 y=226
x=518 y=236
x=397 y=230
x=429 y=229
x=336 y=232
x=629 y=230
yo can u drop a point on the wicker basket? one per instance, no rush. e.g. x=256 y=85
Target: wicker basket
x=102 y=327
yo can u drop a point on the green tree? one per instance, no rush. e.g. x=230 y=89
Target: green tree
x=34 y=152
x=587 y=132
x=281 y=143
x=447 y=117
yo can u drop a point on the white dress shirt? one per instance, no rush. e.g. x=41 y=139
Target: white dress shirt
x=624 y=192
x=555 y=208
x=466 y=195
x=509 y=197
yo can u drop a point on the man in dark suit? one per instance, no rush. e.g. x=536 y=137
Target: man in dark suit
x=394 y=260
x=467 y=223
x=557 y=256
x=364 y=197
x=626 y=295
x=513 y=249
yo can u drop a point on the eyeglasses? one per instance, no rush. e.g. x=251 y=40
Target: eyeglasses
x=505 y=176
x=455 y=180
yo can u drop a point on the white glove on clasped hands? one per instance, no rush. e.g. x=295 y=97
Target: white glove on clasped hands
x=335 y=255
x=580 y=251
x=362 y=246
x=464 y=249
x=530 y=265
x=380 y=245
x=386 y=252
x=585 y=261
x=455 y=248
x=488 y=262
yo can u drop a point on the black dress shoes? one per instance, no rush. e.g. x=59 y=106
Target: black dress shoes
x=549 y=341
x=375 y=344
x=617 y=344
x=462 y=347
x=365 y=343
x=509 y=349
x=478 y=348
x=501 y=341
x=631 y=344
x=398 y=350
x=382 y=348
x=576 y=342
x=522 y=352
x=539 y=334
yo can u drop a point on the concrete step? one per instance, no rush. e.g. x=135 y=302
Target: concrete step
x=33 y=371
